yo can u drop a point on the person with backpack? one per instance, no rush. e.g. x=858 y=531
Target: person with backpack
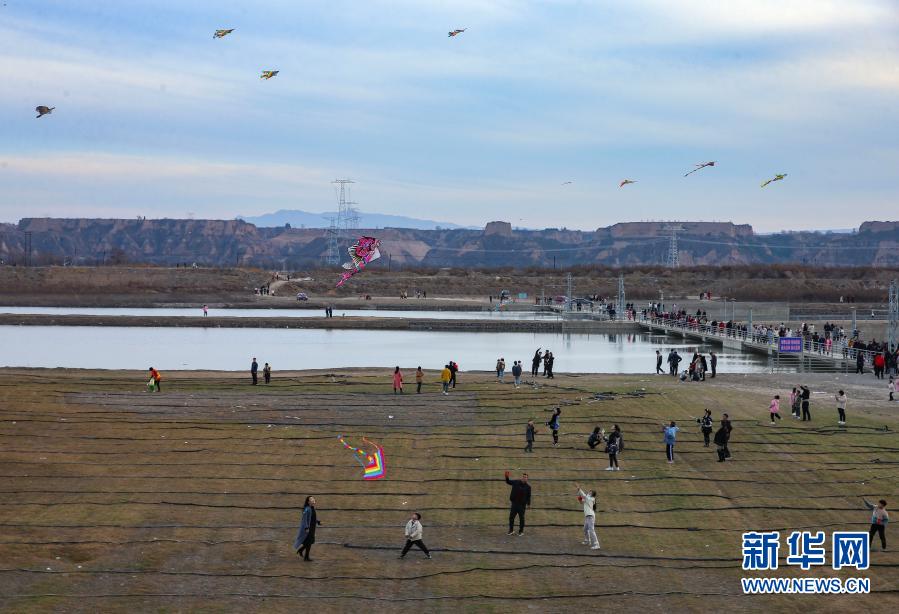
x=774 y=408
x=705 y=425
x=530 y=433
x=589 y=503
x=516 y=373
x=670 y=433
x=614 y=445
x=553 y=424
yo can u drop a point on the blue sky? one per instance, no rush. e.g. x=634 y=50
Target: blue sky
x=153 y=117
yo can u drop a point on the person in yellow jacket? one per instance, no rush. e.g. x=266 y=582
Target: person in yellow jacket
x=445 y=377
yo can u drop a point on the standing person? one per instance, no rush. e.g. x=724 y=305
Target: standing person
x=306 y=535
x=520 y=499
x=267 y=373
x=589 y=503
x=795 y=400
x=530 y=434
x=670 y=432
x=254 y=370
x=879 y=520
x=546 y=356
x=413 y=535
x=205 y=310
x=156 y=377
x=658 y=362
x=445 y=376
x=548 y=362
x=841 y=407
x=774 y=408
x=721 y=437
x=725 y=422
x=535 y=363
x=703 y=366
x=516 y=373
x=714 y=362
x=892 y=388
x=671 y=365
x=553 y=424
x=614 y=443
x=419 y=378
x=859 y=362
x=397 y=381
x=805 y=394
x=454 y=368
x=705 y=425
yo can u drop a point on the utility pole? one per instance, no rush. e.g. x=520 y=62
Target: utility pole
x=893 y=325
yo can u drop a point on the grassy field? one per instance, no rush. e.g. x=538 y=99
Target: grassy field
x=120 y=500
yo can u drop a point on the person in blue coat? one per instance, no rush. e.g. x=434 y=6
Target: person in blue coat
x=306 y=534
x=670 y=435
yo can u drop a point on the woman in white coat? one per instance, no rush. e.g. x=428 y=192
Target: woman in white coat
x=589 y=503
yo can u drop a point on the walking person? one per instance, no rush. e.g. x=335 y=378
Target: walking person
x=413 y=536
x=859 y=362
x=520 y=499
x=659 y=362
x=530 y=433
x=614 y=445
x=397 y=381
x=306 y=535
x=841 y=407
x=419 y=378
x=805 y=394
x=589 y=503
x=670 y=433
x=445 y=376
x=267 y=373
x=516 y=373
x=879 y=519
x=774 y=408
x=705 y=425
x=156 y=378
x=714 y=362
x=254 y=370
x=892 y=388
x=553 y=424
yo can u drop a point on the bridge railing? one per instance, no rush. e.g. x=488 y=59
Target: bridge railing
x=838 y=349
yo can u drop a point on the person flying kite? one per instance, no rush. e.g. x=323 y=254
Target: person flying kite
x=42 y=110
x=625 y=182
x=776 y=178
x=456 y=32
x=268 y=74
x=699 y=167
x=372 y=464
x=222 y=33
x=363 y=251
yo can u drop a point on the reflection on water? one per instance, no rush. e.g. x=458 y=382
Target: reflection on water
x=282 y=313
x=233 y=348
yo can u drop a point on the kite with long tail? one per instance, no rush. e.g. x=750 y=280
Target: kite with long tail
x=778 y=177
x=699 y=167
x=372 y=463
x=363 y=251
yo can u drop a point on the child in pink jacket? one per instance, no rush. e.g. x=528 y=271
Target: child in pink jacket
x=774 y=408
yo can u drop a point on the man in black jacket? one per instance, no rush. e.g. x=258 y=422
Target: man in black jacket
x=805 y=395
x=520 y=497
x=721 y=437
x=725 y=423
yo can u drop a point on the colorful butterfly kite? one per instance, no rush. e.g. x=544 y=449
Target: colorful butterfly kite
x=363 y=251
x=373 y=464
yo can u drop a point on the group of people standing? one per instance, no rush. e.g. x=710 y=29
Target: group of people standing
x=547 y=359
x=266 y=372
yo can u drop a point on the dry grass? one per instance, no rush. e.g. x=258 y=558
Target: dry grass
x=120 y=500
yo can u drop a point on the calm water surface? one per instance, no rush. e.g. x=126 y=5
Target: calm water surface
x=232 y=349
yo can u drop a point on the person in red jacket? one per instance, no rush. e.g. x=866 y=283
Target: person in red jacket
x=157 y=378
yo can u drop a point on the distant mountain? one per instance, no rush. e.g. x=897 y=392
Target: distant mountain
x=304 y=219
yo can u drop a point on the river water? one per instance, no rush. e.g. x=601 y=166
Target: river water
x=169 y=348
x=284 y=313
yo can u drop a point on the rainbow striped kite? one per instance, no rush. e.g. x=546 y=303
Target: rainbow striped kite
x=373 y=464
